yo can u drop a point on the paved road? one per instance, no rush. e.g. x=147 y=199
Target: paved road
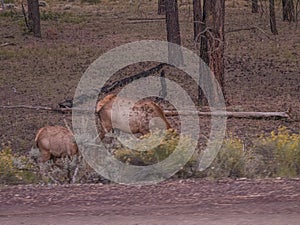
x=172 y=202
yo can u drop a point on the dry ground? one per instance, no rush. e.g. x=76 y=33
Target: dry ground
x=262 y=74
x=172 y=202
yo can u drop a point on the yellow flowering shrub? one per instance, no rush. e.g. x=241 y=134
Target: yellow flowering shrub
x=230 y=161
x=15 y=169
x=280 y=152
x=162 y=149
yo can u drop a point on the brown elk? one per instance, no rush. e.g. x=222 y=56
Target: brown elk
x=144 y=114
x=55 y=142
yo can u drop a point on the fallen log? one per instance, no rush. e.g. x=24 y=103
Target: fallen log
x=149 y=18
x=230 y=114
x=249 y=115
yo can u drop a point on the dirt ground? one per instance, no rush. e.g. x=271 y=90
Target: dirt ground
x=171 y=202
x=261 y=74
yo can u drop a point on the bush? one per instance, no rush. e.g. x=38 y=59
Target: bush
x=16 y=169
x=144 y=156
x=280 y=153
x=66 y=170
x=230 y=162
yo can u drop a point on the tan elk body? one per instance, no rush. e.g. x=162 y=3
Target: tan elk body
x=55 y=142
x=144 y=114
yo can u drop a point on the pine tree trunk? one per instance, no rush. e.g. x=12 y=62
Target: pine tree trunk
x=173 y=32
x=34 y=17
x=288 y=10
x=254 y=6
x=272 y=17
x=212 y=48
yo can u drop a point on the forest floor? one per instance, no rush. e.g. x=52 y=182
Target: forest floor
x=261 y=74
x=261 y=70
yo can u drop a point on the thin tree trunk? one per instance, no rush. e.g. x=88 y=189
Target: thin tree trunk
x=254 y=6
x=173 y=32
x=34 y=17
x=161 y=7
x=272 y=17
x=288 y=10
x=2 y=4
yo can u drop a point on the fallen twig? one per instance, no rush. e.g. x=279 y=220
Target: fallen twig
x=6 y=44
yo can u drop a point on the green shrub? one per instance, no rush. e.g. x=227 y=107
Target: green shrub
x=16 y=169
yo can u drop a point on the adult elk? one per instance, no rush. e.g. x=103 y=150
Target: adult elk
x=55 y=142
x=144 y=114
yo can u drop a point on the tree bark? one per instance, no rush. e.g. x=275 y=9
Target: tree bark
x=197 y=12
x=212 y=49
x=3 y=4
x=173 y=32
x=288 y=10
x=272 y=17
x=254 y=6
x=34 y=17
x=161 y=7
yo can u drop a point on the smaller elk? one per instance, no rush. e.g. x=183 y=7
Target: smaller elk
x=144 y=114
x=55 y=142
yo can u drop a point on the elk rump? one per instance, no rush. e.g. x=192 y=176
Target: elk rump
x=55 y=142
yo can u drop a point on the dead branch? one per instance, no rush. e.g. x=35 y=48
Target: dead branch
x=249 y=28
x=25 y=17
x=127 y=80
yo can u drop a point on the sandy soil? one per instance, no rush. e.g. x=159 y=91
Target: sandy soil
x=193 y=201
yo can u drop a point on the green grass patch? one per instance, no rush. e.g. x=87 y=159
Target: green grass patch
x=6 y=54
x=66 y=17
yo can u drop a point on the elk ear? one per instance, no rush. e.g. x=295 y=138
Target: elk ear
x=99 y=106
x=104 y=101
